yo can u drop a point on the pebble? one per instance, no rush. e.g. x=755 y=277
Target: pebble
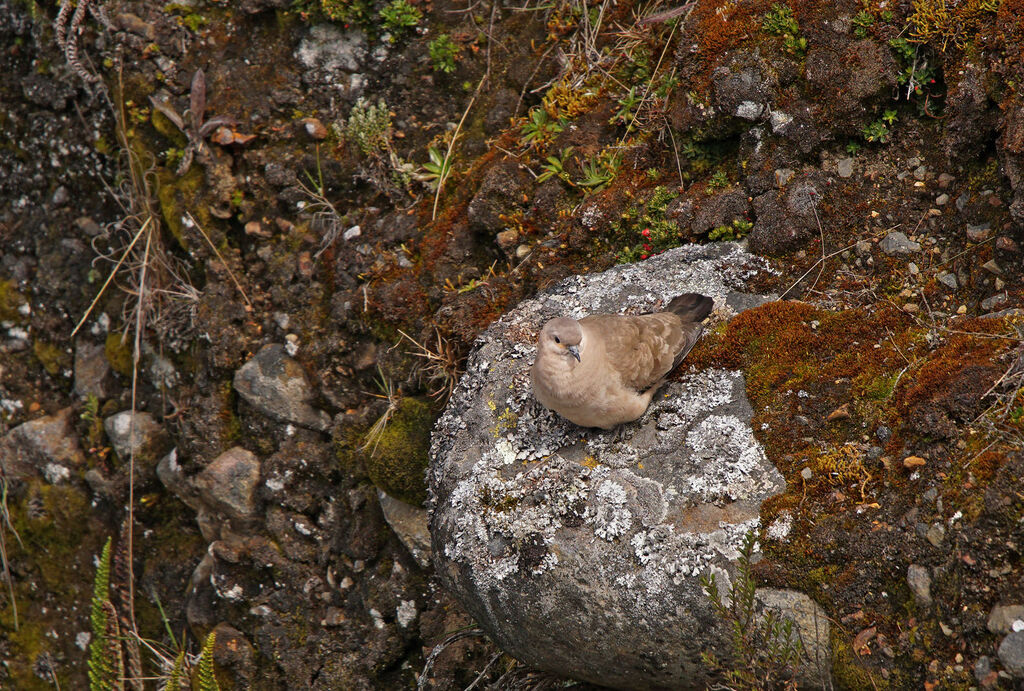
x=962 y=309
x=840 y=413
x=1006 y=244
x=978 y=233
x=862 y=248
x=913 y=462
x=942 y=199
x=920 y=173
x=845 y=167
x=353 y=232
x=945 y=180
x=1011 y=654
x=920 y=582
x=883 y=433
x=522 y=251
x=897 y=243
x=314 y=128
x=912 y=268
x=992 y=267
x=947 y=279
x=997 y=300
x=935 y=534
x=88 y=226
x=1002 y=618
x=806 y=473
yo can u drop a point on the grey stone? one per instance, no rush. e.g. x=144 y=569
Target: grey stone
x=92 y=370
x=920 y=173
x=897 y=243
x=942 y=199
x=47 y=446
x=978 y=233
x=229 y=483
x=845 y=167
x=862 y=248
x=994 y=301
x=810 y=624
x=277 y=386
x=947 y=279
x=1011 y=654
x=1002 y=617
x=920 y=582
x=992 y=267
x=130 y=432
x=982 y=668
x=945 y=180
x=533 y=517
x=935 y=534
x=409 y=524
x=779 y=121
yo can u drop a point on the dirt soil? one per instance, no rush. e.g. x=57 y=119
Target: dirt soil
x=183 y=185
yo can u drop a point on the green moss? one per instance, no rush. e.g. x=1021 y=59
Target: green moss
x=847 y=672
x=398 y=460
x=178 y=195
x=51 y=357
x=119 y=354
x=11 y=302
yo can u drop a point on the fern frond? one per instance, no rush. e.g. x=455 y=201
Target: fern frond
x=205 y=677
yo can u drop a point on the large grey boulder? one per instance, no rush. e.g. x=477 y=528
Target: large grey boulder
x=579 y=550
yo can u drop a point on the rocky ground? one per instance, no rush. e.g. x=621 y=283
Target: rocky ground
x=221 y=271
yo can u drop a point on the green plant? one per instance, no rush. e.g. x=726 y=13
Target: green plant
x=599 y=171
x=643 y=230
x=876 y=132
x=399 y=16
x=539 y=128
x=628 y=105
x=862 y=21
x=349 y=12
x=890 y=116
x=765 y=653
x=737 y=229
x=206 y=679
x=435 y=169
x=779 y=21
x=852 y=147
x=443 y=53
x=369 y=126
x=555 y=167
x=192 y=123
x=718 y=181
x=106 y=664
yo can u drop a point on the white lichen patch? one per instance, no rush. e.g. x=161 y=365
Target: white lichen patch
x=669 y=558
x=732 y=463
x=405 y=613
x=608 y=512
x=780 y=527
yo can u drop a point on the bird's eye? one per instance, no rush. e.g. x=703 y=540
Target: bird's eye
x=557 y=340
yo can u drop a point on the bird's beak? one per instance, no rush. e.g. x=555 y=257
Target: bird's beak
x=574 y=351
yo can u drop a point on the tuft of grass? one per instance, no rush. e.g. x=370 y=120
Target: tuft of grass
x=765 y=651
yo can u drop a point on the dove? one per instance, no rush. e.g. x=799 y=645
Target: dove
x=603 y=370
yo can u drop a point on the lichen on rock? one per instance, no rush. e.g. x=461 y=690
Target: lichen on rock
x=560 y=539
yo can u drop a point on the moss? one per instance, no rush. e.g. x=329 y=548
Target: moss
x=847 y=672
x=177 y=195
x=398 y=461
x=119 y=354
x=51 y=357
x=11 y=302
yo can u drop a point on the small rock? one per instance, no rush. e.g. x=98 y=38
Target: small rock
x=277 y=386
x=945 y=180
x=911 y=307
x=936 y=534
x=962 y=309
x=992 y=267
x=409 y=524
x=353 y=232
x=911 y=462
x=507 y=239
x=40 y=446
x=978 y=233
x=334 y=617
x=920 y=582
x=92 y=371
x=991 y=303
x=779 y=120
x=1006 y=244
x=255 y=229
x=1002 y=618
x=862 y=248
x=913 y=162
x=61 y=196
x=840 y=413
x=88 y=226
x=912 y=268
x=749 y=110
x=897 y=243
x=522 y=251
x=1011 y=654
x=230 y=482
x=947 y=279
x=983 y=671
x=920 y=173
x=845 y=167
x=883 y=433
x=131 y=432
x=314 y=128
x=942 y=199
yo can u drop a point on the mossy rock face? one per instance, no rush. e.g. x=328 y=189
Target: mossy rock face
x=398 y=463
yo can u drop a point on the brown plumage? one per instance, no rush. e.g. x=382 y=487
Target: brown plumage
x=604 y=369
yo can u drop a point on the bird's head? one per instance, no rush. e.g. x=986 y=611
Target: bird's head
x=562 y=336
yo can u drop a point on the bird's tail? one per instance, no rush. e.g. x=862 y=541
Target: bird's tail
x=691 y=307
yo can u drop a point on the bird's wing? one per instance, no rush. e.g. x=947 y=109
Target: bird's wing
x=641 y=349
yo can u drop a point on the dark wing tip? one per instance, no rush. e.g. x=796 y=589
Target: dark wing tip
x=691 y=307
